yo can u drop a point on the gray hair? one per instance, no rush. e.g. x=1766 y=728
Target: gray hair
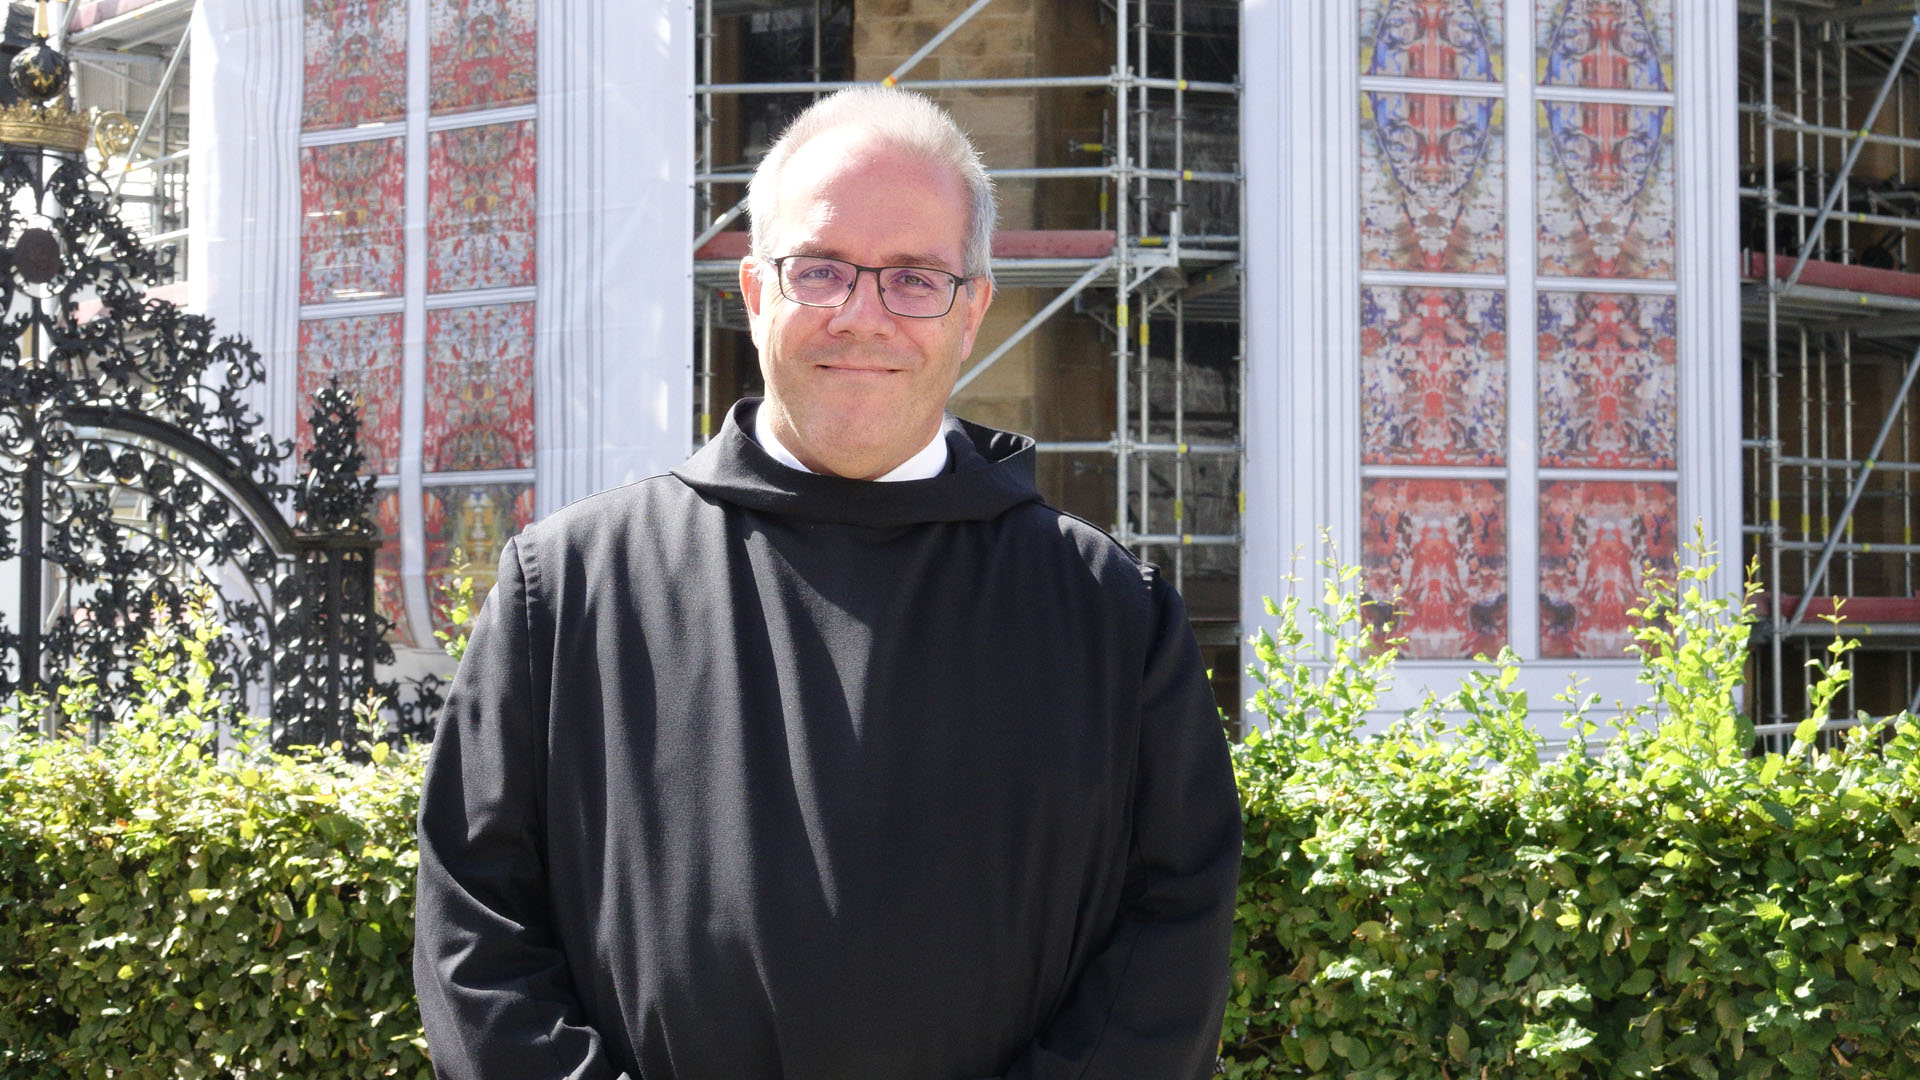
x=898 y=118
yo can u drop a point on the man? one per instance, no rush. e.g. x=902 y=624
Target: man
x=764 y=770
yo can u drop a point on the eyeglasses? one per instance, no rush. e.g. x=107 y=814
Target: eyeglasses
x=913 y=292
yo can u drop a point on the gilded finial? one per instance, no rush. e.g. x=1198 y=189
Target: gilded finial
x=41 y=118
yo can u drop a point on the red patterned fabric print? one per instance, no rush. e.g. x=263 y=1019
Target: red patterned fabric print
x=352 y=199
x=1432 y=183
x=1607 y=381
x=1433 y=376
x=475 y=522
x=479 y=388
x=1597 y=539
x=1605 y=44
x=1604 y=175
x=389 y=594
x=1434 y=557
x=356 y=63
x=1432 y=39
x=480 y=207
x=483 y=53
x=364 y=353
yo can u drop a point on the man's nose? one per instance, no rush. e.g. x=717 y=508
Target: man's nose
x=864 y=311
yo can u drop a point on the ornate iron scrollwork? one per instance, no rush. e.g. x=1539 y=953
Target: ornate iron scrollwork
x=132 y=469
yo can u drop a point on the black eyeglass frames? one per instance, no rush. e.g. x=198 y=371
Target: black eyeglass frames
x=912 y=292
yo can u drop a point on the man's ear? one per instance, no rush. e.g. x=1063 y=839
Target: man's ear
x=750 y=295
x=750 y=285
x=979 y=294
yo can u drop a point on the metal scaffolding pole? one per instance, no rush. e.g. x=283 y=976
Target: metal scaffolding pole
x=1776 y=650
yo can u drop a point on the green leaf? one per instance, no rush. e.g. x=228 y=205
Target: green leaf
x=1521 y=964
x=1315 y=1048
x=1457 y=1043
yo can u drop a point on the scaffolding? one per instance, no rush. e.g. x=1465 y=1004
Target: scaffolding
x=131 y=71
x=1831 y=305
x=1160 y=275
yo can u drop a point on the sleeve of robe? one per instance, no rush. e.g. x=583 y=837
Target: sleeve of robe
x=1151 y=1003
x=495 y=993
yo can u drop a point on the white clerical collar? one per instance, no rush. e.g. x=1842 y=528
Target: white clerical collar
x=930 y=462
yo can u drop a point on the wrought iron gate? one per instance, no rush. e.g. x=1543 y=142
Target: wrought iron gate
x=132 y=469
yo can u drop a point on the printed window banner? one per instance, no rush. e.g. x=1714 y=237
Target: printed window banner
x=1433 y=373
x=1434 y=562
x=483 y=54
x=388 y=589
x=1434 y=39
x=479 y=388
x=1604 y=44
x=1608 y=382
x=1605 y=190
x=356 y=63
x=480 y=207
x=1432 y=183
x=467 y=527
x=353 y=210
x=1598 y=540
x=362 y=352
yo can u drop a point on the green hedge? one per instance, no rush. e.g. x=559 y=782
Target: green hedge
x=1435 y=902
x=169 y=913
x=1438 y=902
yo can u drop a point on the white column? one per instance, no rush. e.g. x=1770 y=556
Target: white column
x=613 y=364
x=243 y=186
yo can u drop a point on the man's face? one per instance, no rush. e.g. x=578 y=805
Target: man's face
x=856 y=390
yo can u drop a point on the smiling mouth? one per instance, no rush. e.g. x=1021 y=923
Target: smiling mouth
x=846 y=369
